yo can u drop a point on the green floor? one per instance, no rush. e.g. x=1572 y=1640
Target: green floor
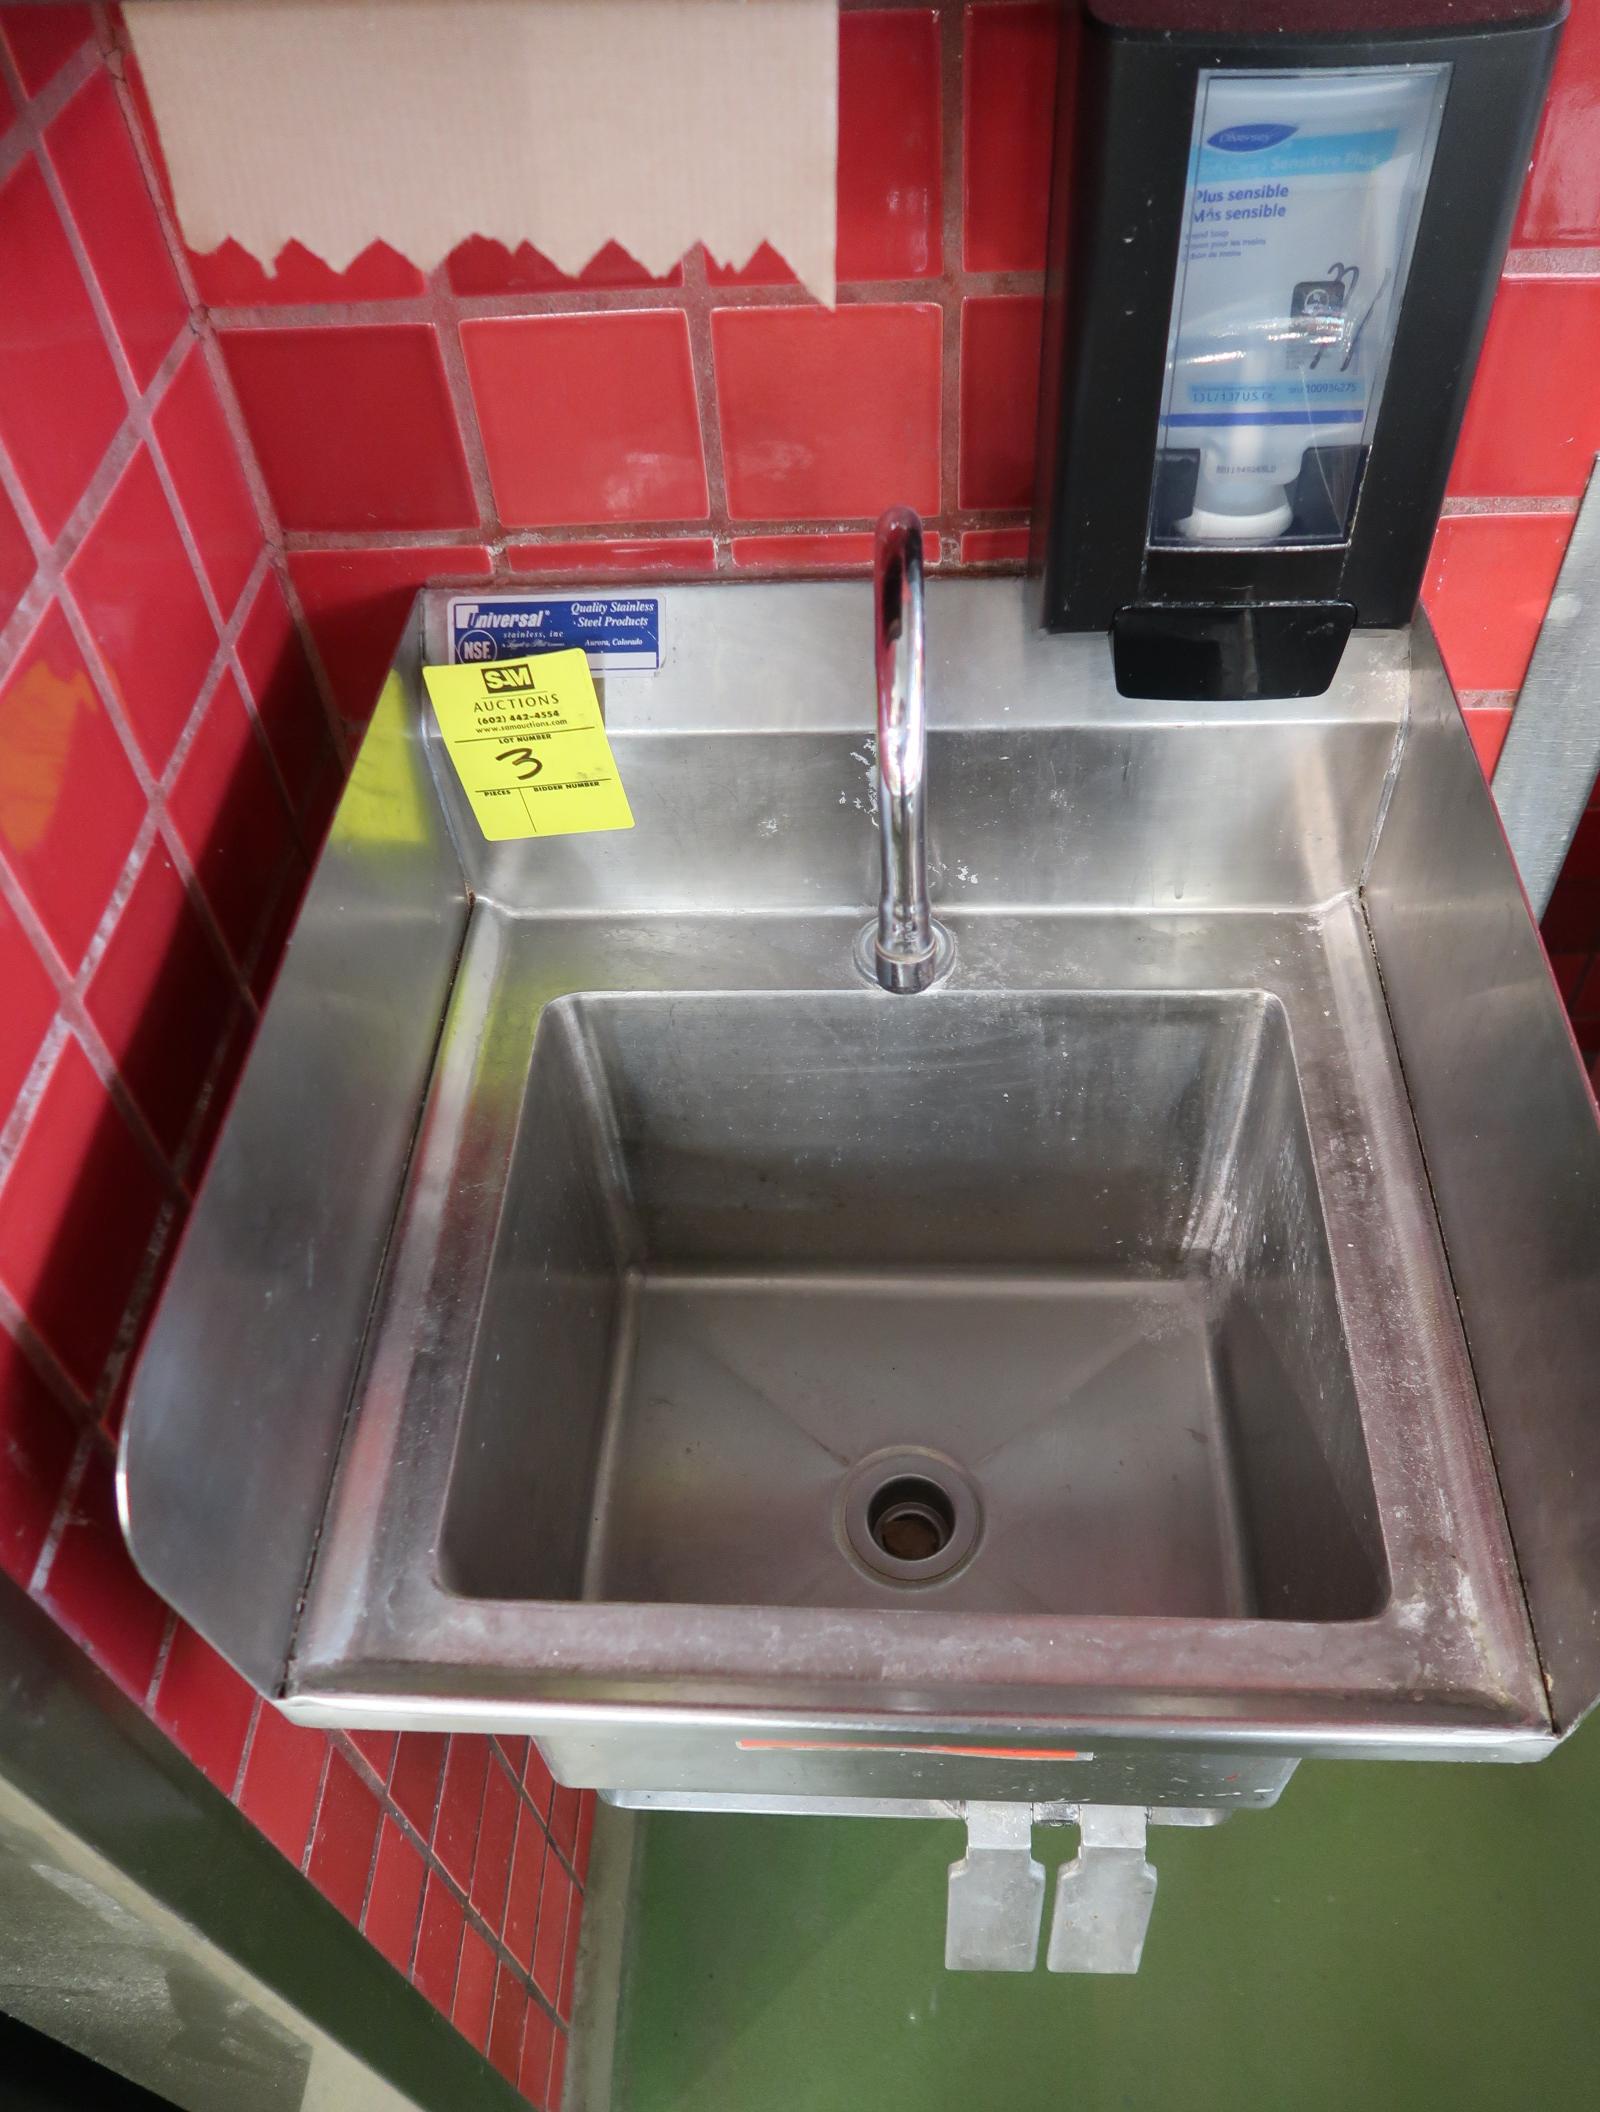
x=1414 y=1939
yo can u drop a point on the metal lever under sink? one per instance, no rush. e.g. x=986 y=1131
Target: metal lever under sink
x=904 y=949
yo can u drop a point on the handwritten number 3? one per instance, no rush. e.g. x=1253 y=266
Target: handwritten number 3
x=519 y=757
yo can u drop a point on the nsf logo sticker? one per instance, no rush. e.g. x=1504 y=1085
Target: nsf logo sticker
x=618 y=633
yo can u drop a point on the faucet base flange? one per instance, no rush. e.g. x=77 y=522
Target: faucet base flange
x=904 y=977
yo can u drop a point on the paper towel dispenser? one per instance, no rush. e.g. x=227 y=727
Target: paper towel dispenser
x=1273 y=257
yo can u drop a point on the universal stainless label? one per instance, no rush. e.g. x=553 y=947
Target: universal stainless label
x=618 y=633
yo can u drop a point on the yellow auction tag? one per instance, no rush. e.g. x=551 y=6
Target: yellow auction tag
x=529 y=745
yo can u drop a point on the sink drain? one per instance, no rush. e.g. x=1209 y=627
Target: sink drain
x=909 y=1516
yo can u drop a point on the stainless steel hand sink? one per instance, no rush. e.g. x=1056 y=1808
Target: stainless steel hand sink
x=1058 y=1261
x=1162 y=1350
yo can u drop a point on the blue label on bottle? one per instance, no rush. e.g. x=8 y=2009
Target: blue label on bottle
x=1249 y=139
x=619 y=633
x=1285 y=151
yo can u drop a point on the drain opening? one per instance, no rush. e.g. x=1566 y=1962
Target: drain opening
x=908 y=1516
x=911 y=1519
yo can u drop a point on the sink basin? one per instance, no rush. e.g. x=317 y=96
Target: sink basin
x=1161 y=1352
x=1060 y=1258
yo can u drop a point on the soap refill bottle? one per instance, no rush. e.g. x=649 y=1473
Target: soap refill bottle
x=1302 y=205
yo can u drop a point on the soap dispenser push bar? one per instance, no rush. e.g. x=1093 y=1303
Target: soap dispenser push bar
x=904 y=950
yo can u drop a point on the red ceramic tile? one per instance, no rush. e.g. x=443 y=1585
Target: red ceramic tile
x=506 y=2024
x=1569 y=970
x=474 y=1996
x=497 y=1833
x=42 y=39
x=1583 y=853
x=522 y=1897
x=414 y=1778
x=353 y=426
x=76 y=1214
x=394 y=1902
x=162 y=998
x=342 y=1844
x=480 y=266
x=1488 y=729
x=285 y=691
x=455 y=1830
x=283 y=1780
x=30 y=1005
x=549 y=1944
x=16 y=558
x=433 y=1969
x=515 y=1753
x=235 y=1046
x=999 y=399
x=198 y=449
x=581 y=1847
x=356 y=602
x=994 y=546
x=377 y=1748
x=36 y=1445
x=888 y=174
x=569 y=1963
x=537 y=1780
x=1488 y=585
x=140 y=597
x=231 y=817
x=286 y=898
x=829 y=415
x=204 y=1707
x=639 y=558
x=888 y=182
x=618 y=435
x=116 y=217
x=60 y=400
x=95 y=1592
x=554 y=2088
x=1571 y=922
x=1533 y=424
x=538 y=2039
x=65 y=762
x=1009 y=71
x=1562 y=201
x=564 y=1818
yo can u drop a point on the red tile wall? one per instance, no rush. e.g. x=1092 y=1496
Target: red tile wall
x=169 y=754
x=219 y=489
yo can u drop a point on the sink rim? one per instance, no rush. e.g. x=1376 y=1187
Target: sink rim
x=1427 y=1668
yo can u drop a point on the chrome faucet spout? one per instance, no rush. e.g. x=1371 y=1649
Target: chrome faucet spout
x=905 y=950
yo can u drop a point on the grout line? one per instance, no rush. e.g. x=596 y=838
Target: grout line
x=34 y=114
x=1455 y=509
x=443 y=315
x=1551 y=264
x=697 y=306
x=158 y=1673
x=952 y=283
x=71 y=1483
x=316 y=1809
x=246 y=1750
x=46 y=1368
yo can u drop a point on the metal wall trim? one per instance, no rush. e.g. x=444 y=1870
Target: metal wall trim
x=1552 y=751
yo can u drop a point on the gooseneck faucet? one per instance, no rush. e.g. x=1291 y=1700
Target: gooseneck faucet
x=904 y=949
